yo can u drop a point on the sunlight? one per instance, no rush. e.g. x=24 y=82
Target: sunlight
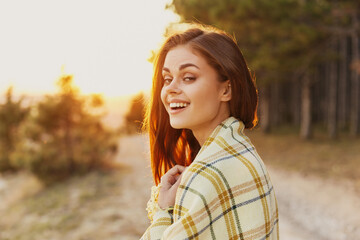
x=104 y=44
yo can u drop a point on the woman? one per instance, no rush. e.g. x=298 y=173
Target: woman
x=211 y=183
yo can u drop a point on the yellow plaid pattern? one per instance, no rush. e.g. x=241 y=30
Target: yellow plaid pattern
x=226 y=193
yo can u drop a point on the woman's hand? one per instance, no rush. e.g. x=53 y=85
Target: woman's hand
x=169 y=185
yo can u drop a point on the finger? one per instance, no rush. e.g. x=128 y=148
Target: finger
x=176 y=184
x=171 y=179
x=177 y=177
x=178 y=180
x=171 y=176
x=167 y=181
x=176 y=169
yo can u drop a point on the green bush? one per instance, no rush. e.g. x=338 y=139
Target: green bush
x=65 y=137
x=135 y=116
x=12 y=116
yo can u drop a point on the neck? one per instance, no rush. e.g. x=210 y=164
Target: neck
x=201 y=133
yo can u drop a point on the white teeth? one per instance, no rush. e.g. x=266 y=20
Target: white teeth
x=177 y=105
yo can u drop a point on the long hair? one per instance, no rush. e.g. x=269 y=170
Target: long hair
x=169 y=146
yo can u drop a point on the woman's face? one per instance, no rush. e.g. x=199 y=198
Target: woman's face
x=192 y=94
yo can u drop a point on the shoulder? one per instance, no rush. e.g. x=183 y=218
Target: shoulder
x=233 y=156
x=226 y=160
x=233 y=164
x=227 y=171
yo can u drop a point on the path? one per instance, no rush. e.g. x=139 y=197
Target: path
x=310 y=208
x=136 y=186
x=314 y=209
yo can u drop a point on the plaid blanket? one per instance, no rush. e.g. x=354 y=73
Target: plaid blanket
x=225 y=193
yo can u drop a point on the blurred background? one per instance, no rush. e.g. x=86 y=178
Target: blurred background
x=75 y=77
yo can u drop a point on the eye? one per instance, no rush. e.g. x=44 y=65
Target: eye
x=189 y=78
x=167 y=80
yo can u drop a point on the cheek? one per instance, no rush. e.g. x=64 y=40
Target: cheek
x=205 y=96
x=206 y=103
x=163 y=96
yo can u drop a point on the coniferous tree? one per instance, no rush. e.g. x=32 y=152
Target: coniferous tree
x=12 y=115
x=65 y=137
x=355 y=76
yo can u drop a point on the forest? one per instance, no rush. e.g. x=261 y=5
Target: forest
x=304 y=54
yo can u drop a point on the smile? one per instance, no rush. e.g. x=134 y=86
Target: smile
x=177 y=107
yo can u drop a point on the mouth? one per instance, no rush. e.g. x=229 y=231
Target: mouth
x=178 y=106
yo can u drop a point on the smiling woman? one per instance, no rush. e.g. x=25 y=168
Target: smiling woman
x=104 y=44
x=211 y=182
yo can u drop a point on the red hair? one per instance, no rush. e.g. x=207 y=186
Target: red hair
x=169 y=146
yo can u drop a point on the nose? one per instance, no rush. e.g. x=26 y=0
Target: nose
x=173 y=87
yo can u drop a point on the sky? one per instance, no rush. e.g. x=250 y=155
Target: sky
x=104 y=44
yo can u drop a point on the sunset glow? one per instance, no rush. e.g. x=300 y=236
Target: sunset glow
x=104 y=44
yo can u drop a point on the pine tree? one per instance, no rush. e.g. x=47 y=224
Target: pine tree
x=12 y=116
x=66 y=137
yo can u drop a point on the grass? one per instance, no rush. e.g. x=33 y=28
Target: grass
x=62 y=208
x=320 y=156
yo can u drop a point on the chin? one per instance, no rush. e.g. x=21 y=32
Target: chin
x=177 y=124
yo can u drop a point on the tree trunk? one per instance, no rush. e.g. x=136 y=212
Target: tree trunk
x=296 y=102
x=343 y=76
x=264 y=109
x=324 y=99
x=354 y=118
x=332 y=102
x=275 y=117
x=305 y=126
x=318 y=101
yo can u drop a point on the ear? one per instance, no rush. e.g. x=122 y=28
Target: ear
x=226 y=91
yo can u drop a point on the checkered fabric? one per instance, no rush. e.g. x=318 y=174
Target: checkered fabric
x=225 y=193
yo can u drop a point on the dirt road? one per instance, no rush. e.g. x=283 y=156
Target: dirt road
x=310 y=208
x=113 y=206
x=314 y=208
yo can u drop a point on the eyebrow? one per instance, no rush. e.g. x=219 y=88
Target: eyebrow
x=182 y=66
